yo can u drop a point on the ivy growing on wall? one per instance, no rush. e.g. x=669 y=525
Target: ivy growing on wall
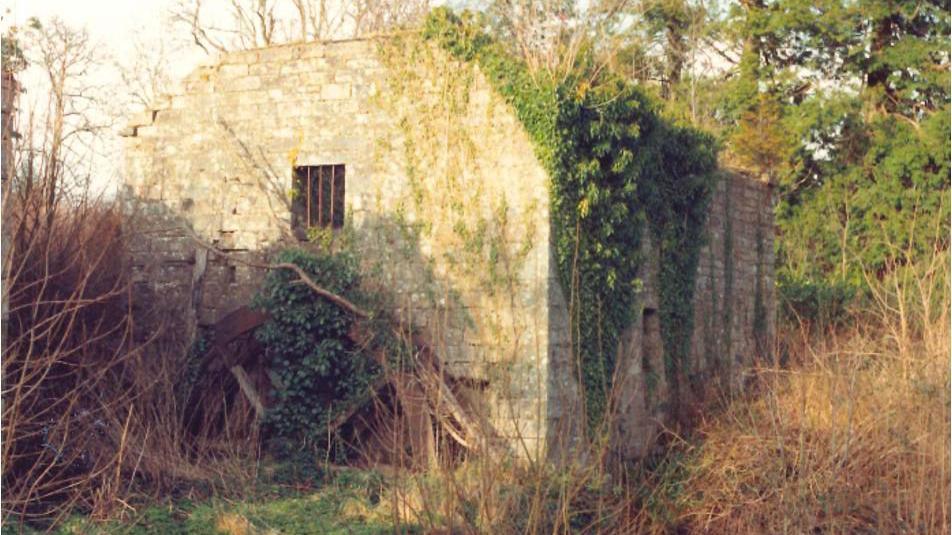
x=315 y=368
x=482 y=233
x=616 y=168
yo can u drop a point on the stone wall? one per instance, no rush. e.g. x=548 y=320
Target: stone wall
x=444 y=199
x=448 y=206
x=734 y=319
x=734 y=300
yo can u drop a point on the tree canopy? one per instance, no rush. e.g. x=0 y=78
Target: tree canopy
x=844 y=104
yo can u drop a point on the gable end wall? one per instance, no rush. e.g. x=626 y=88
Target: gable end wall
x=216 y=159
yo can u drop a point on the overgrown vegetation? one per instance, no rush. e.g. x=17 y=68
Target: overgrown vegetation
x=318 y=370
x=613 y=164
x=59 y=435
x=843 y=105
x=94 y=413
x=851 y=436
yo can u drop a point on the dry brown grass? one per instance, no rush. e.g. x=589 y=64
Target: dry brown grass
x=842 y=444
x=852 y=436
x=845 y=443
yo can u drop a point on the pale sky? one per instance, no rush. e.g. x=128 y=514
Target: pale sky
x=113 y=25
x=106 y=18
x=121 y=31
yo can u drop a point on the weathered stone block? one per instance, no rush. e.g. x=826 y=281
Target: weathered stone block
x=335 y=91
x=232 y=70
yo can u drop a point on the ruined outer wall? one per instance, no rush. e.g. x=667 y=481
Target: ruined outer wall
x=734 y=318
x=460 y=241
x=734 y=301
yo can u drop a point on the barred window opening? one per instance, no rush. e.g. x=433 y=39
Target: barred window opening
x=318 y=199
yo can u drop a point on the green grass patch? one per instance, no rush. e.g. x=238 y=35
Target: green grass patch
x=349 y=503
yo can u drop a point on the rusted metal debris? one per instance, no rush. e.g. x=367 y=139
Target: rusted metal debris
x=234 y=325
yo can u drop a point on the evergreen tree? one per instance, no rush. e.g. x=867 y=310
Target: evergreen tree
x=864 y=88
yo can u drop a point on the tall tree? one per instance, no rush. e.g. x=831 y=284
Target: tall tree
x=62 y=128
x=865 y=86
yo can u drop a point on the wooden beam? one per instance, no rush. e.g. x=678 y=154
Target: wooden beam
x=248 y=389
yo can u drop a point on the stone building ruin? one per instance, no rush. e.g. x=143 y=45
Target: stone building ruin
x=256 y=150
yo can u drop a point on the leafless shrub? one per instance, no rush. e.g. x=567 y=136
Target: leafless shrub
x=554 y=36
x=259 y=23
x=146 y=73
x=66 y=353
x=62 y=126
x=91 y=413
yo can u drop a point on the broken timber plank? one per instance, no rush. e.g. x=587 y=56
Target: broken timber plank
x=235 y=324
x=248 y=389
x=413 y=398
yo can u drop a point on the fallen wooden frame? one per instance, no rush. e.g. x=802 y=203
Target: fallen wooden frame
x=426 y=391
x=467 y=427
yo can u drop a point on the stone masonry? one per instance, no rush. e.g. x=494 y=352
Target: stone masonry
x=448 y=206
x=733 y=314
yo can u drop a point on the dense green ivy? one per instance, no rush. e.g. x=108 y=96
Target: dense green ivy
x=315 y=369
x=614 y=164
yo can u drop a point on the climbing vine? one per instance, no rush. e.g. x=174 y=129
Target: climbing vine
x=614 y=165
x=475 y=247
x=316 y=370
